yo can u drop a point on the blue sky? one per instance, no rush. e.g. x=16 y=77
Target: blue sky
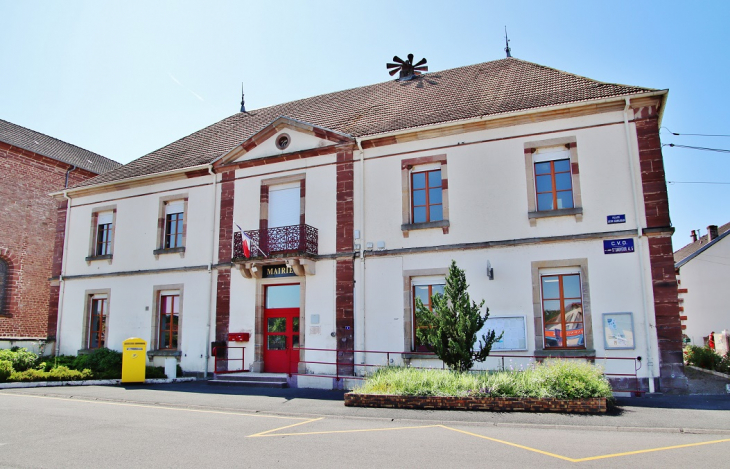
x=125 y=78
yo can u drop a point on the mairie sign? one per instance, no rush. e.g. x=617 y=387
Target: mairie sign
x=279 y=270
x=618 y=246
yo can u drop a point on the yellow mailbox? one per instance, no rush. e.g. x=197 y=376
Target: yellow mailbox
x=134 y=360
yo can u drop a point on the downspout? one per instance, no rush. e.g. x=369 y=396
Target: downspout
x=361 y=328
x=639 y=248
x=63 y=267
x=210 y=272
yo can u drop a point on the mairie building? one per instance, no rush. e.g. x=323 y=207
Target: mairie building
x=296 y=238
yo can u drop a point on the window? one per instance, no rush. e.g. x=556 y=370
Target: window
x=424 y=289
x=169 y=308
x=553 y=187
x=103 y=239
x=425 y=189
x=174 y=226
x=562 y=307
x=98 y=311
x=426 y=201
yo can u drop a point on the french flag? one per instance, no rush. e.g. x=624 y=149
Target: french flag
x=246 y=241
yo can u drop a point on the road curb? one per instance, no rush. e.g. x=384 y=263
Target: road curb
x=90 y=382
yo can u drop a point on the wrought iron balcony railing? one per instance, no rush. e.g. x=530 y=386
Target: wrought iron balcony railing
x=294 y=239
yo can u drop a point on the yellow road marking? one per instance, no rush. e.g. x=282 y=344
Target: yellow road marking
x=156 y=407
x=338 y=431
x=282 y=428
x=591 y=458
x=615 y=455
x=309 y=420
x=534 y=450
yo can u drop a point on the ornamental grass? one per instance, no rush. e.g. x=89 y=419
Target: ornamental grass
x=560 y=379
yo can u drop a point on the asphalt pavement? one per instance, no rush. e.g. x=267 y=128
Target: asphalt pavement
x=198 y=425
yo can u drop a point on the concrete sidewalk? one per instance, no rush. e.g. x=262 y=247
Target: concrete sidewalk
x=656 y=413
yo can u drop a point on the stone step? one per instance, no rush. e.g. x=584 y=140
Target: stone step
x=250 y=377
x=249 y=384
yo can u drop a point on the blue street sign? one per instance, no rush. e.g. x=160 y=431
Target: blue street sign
x=611 y=219
x=618 y=246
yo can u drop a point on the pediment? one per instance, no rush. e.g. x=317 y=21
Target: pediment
x=281 y=137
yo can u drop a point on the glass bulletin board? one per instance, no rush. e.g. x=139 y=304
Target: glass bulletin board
x=514 y=338
x=618 y=331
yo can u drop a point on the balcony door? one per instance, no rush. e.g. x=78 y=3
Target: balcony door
x=284 y=205
x=281 y=328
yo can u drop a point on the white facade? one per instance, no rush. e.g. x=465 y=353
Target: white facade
x=490 y=217
x=703 y=290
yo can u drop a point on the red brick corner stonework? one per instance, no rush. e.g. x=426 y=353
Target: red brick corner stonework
x=497 y=404
x=345 y=270
x=659 y=231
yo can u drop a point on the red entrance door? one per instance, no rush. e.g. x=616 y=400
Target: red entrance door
x=281 y=330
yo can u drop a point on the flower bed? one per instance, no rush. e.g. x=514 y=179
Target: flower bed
x=552 y=386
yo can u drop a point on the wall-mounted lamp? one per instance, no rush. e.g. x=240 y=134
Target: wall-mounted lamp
x=490 y=271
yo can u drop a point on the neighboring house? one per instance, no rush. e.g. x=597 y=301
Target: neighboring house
x=32 y=165
x=703 y=270
x=354 y=203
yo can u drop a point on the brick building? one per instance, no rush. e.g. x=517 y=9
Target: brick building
x=295 y=238
x=32 y=165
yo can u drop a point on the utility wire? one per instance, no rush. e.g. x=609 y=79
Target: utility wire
x=695 y=135
x=696 y=182
x=719 y=150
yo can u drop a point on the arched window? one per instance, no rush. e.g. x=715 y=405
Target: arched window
x=3 y=284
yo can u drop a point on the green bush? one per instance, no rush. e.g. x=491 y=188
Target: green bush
x=53 y=362
x=561 y=379
x=705 y=357
x=6 y=369
x=104 y=363
x=21 y=358
x=60 y=373
x=155 y=372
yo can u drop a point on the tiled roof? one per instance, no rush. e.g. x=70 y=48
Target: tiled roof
x=485 y=89
x=688 y=252
x=42 y=144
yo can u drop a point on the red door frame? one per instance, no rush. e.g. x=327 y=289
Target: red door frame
x=283 y=360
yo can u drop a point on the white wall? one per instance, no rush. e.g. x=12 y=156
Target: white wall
x=707 y=301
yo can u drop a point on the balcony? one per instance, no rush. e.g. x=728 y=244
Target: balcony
x=279 y=242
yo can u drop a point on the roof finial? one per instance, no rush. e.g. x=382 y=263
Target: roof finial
x=243 y=103
x=507 y=49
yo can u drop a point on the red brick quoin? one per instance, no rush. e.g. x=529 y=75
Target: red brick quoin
x=659 y=231
x=595 y=405
x=345 y=270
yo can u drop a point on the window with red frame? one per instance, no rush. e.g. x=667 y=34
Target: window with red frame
x=169 y=321
x=104 y=224
x=562 y=308
x=97 y=322
x=553 y=185
x=425 y=293
x=426 y=200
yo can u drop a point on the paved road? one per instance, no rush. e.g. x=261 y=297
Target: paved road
x=197 y=425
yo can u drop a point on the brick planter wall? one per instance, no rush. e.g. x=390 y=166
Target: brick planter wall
x=498 y=404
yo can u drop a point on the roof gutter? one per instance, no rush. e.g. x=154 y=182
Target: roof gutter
x=620 y=98
x=67 y=193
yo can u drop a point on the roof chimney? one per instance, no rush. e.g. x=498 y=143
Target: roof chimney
x=711 y=232
x=694 y=236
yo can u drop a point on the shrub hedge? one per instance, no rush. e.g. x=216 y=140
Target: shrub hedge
x=18 y=364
